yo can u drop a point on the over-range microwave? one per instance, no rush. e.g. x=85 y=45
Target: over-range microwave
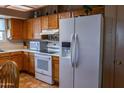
x=35 y=45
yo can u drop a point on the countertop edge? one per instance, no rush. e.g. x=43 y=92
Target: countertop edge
x=27 y=50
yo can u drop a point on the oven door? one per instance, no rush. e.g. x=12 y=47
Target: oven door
x=43 y=64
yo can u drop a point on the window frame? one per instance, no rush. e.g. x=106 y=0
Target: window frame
x=4 y=32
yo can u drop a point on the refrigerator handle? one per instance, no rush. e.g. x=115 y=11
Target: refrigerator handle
x=72 y=49
x=76 y=50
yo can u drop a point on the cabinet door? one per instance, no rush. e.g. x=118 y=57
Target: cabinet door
x=25 y=30
x=16 y=29
x=26 y=62
x=31 y=64
x=30 y=29
x=44 y=22
x=36 y=28
x=64 y=15
x=53 y=21
x=98 y=10
x=18 y=59
x=55 y=65
x=78 y=13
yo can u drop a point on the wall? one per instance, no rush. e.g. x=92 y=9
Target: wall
x=9 y=45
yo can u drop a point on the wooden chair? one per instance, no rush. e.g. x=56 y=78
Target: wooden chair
x=9 y=75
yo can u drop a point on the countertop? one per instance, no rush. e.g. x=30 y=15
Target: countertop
x=27 y=50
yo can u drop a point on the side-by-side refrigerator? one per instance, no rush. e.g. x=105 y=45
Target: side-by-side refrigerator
x=81 y=52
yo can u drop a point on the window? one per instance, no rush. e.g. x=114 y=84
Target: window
x=2 y=29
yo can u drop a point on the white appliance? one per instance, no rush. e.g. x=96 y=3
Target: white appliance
x=81 y=52
x=49 y=32
x=35 y=45
x=43 y=68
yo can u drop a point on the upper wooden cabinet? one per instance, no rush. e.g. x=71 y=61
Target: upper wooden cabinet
x=44 y=22
x=53 y=21
x=64 y=15
x=15 y=30
x=49 y=22
x=30 y=29
x=78 y=13
x=25 y=30
x=81 y=12
x=36 y=28
x=98 y=10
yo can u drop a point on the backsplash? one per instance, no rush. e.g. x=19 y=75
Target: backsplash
x=10 y=45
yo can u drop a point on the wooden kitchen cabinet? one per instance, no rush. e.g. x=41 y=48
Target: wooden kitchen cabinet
x=36 y=28
x=17 y=57
x=53 y=22
x=31 y=64
x=78 y=13
x=15 y=29
x=55 y=67
x=29 y=28
x=44 y=22
x=4 y=57
x=81 y=12
x=25 y=30
x=26 y=62
x=49 y=22
x=98 y=10
x=32 y=28
x=64 y=15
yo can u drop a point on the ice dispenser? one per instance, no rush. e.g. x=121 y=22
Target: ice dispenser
x=66 y=47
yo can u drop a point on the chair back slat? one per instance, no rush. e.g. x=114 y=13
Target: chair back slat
x=9 y=75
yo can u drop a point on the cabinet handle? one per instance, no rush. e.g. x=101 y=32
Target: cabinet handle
x=118 y=62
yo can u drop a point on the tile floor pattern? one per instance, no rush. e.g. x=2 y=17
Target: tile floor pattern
x=28 y=81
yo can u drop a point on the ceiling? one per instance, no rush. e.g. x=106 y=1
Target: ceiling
x=23 y=8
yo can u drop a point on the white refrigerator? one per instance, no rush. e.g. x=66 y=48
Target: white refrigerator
x=81 y=41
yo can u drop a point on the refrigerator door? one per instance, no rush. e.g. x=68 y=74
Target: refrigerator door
x=88 y=61
x=66 y=67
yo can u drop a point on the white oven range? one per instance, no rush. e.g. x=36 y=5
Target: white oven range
x=43 y=68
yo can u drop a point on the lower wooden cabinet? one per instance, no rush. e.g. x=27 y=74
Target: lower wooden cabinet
x=25 y=61
x=55 y=66
x=4 y=59
x=31 y=64
x=17 y=57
